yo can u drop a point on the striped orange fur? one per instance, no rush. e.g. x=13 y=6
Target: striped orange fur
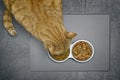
x=43 y=19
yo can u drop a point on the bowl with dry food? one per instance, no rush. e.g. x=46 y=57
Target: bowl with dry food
x=82 y=50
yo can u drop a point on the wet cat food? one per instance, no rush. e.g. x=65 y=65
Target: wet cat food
x=82 y=51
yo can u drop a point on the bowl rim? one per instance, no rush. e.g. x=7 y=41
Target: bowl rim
x=89 y=44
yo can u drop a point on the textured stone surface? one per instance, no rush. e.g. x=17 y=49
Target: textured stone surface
x=14 y=51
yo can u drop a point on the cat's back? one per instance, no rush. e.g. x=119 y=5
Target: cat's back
x=36 y=15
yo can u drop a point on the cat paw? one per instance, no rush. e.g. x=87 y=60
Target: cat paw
x=13 y=32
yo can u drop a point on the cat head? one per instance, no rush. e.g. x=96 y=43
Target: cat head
x=61 y=46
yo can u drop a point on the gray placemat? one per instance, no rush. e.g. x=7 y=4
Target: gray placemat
x=94 y=28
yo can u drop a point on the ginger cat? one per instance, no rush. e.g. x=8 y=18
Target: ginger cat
x=43 y=19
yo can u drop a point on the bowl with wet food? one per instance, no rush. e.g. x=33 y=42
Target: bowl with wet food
x=82 y=50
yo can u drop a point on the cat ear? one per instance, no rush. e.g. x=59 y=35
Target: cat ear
x=70 y=35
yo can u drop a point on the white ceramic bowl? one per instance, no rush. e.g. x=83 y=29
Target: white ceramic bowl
x=86 y=42
x=71 y=54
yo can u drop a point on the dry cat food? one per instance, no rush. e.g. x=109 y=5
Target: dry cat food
x=82 y=51
x=61 y=56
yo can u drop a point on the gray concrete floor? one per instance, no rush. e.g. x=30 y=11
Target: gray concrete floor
x=14 y=51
